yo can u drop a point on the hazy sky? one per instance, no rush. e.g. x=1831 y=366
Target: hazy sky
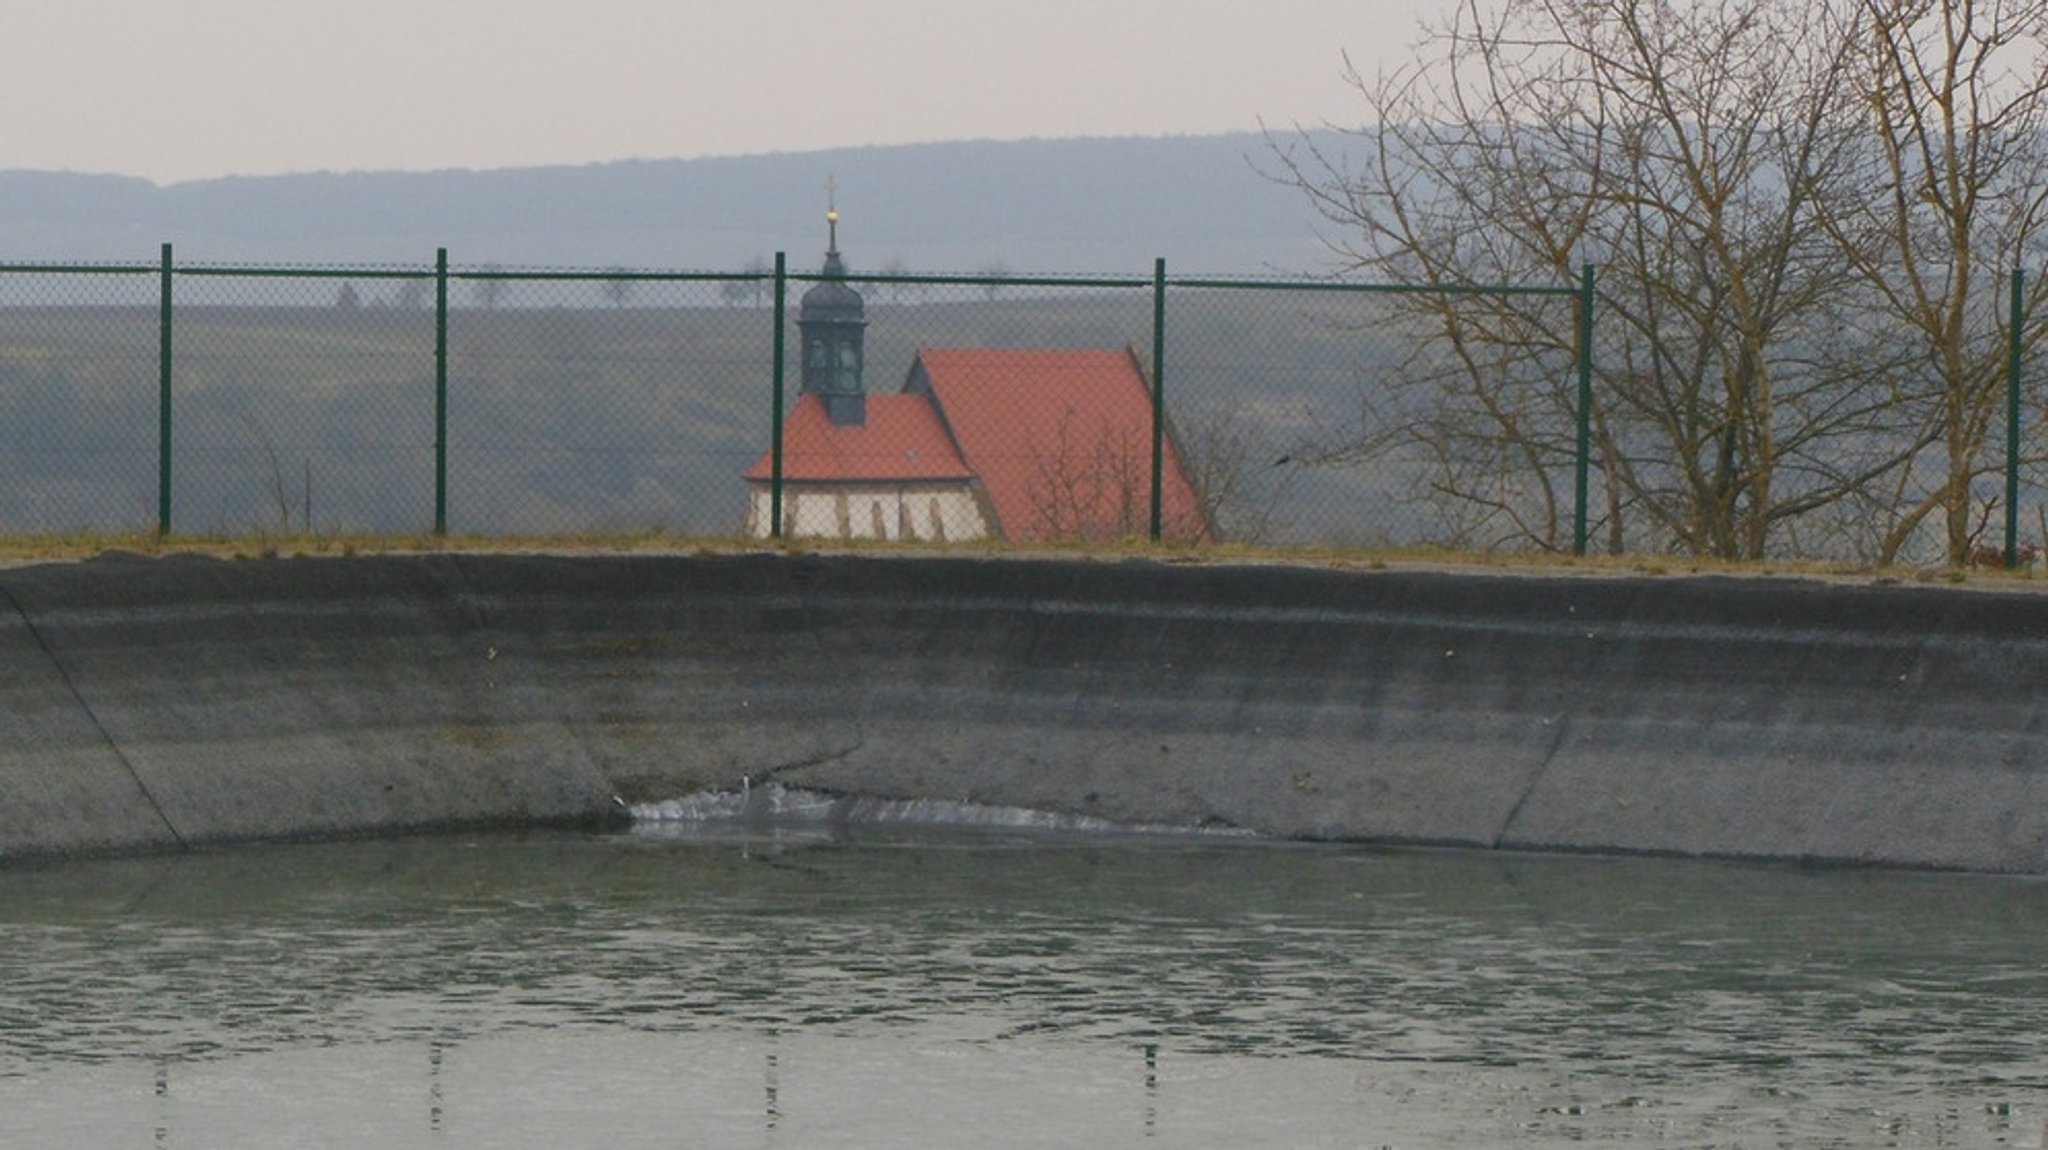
x=187 y=89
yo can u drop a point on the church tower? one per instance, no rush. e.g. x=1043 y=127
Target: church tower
x=831 y=321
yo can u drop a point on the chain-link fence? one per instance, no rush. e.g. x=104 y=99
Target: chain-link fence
x=604 y=402
x=487 y=401
x=300 y=402
x=1869 y=426
x=79 y=402
x=2023 y=420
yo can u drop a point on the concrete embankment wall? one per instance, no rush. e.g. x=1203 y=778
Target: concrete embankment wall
x=154 y=704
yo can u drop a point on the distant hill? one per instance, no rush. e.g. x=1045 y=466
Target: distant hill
x=1073 y=205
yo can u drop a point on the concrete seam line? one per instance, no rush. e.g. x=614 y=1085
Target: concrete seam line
x=64 y=673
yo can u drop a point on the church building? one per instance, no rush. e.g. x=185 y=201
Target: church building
x=1037 y=444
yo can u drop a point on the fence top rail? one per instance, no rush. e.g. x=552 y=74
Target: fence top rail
x=327 y=272
x=1206 y=282
x=1369 y=288
x=982 y=279
x=117 y=269
x=606 y=275
x=759 y=275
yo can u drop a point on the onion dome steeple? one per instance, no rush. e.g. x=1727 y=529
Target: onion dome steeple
x=831 y=321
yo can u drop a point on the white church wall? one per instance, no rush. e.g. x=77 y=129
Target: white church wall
x=848 y=511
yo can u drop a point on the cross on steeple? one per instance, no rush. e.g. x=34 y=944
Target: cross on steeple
x=832 y=215
x=830 y=321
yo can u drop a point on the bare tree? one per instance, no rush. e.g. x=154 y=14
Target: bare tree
x=488 y=289
x=992 y=273
x=618 y=287
x=1687 y=148
x=760 y=278
x=1955 y=164
x=1088 y=487
x=1242 y=476
x=279 y=488
x=1093 y=482
x=892 y=268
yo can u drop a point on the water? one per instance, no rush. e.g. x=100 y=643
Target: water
x=678 y=987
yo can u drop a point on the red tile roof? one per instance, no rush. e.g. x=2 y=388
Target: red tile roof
x=1061 y=438
x=901 y=440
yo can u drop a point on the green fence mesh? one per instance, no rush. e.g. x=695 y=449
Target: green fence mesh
x=302 y=403
x=78 y=400
x=488 y=401
x=604 y=404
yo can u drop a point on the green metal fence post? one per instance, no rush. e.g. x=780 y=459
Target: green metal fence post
x=1582 y=456
x=1158 y=394
x=2012 y=421
x=163 y=396
x=441 y=391
x=775 y=416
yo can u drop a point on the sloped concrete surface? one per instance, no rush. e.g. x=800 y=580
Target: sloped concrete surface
x=158 y=704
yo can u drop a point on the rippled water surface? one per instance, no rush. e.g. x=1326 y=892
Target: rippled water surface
x=679 y=990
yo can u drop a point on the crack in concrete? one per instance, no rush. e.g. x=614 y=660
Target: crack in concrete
x=1564 y=726
x=1563 y=721
x=820 y=759
x=800 y=590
